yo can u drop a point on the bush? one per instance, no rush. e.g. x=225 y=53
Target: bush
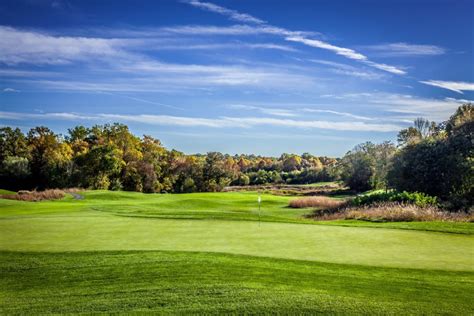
x=100 y=182
x=115 y=185
x=415 y=198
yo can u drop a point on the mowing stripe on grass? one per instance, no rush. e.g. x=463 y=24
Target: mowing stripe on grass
x=177 y=282
x=352 y=245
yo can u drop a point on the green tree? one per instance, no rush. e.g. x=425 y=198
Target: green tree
x=440 y=166
x=291 y=163
x=12 y=143
x=460 y=121
x=101 y=164
x=45 y=148
x=16 y=167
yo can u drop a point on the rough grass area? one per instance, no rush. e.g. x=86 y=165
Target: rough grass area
x=206 y=283
x=35 y=196
x=317 y=201
x=320 y=188
x=392 y=212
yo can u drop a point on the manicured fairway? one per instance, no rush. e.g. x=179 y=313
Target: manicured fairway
x=118 y=251
x=178 y=282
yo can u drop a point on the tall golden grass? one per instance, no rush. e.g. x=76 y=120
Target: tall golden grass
x=393 y=212
x=322 y=202
x=35 y=196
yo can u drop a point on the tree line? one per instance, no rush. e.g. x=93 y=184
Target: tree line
x=434 y=158
x=111 y=157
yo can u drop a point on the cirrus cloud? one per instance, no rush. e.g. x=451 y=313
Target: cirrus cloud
x=455 y=86
x=219 y=122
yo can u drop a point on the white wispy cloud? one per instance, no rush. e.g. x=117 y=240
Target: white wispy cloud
x=346 y=52
x=405 y=49
x=38 y=47
x=387 y=68
x=20 y=46
x=265 y=110
x=349 y=70
x=455 y=86
x=230 y=75
x=404 y=107
x=106 y=55
x=214 y=46
x=45 y=116
x=162 y=77
x=220 y=122
x=142 y=100
x=232 y=14
x=341 y=126
x=297 y=110
x=459 y=100
x=295 y=37
x=346 y=114
x=10 y=90
x=233 y=30
x=27 y=73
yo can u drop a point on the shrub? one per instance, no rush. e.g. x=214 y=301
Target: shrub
x=317 y=201
x=115 y=185
x=417 y=198
x=101 y=182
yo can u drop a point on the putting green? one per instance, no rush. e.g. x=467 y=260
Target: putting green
x=96 y=231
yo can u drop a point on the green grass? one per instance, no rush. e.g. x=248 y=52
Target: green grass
x=238 y=206
x=177 y=282
x=208 y=253
x=354 y=245
x=6 y=192
x=216 y=206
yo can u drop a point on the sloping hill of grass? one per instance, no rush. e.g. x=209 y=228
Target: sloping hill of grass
x=99 y=231
x=177 y=282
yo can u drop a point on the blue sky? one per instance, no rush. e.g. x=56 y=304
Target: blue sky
x=261 y=77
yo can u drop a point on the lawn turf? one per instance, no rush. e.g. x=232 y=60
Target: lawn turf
x=177 y=282
x=208 y=253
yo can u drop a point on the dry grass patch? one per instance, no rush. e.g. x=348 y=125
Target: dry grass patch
x=393 y=212
x=35 y=196
x=73 y=190
x=317 y=201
